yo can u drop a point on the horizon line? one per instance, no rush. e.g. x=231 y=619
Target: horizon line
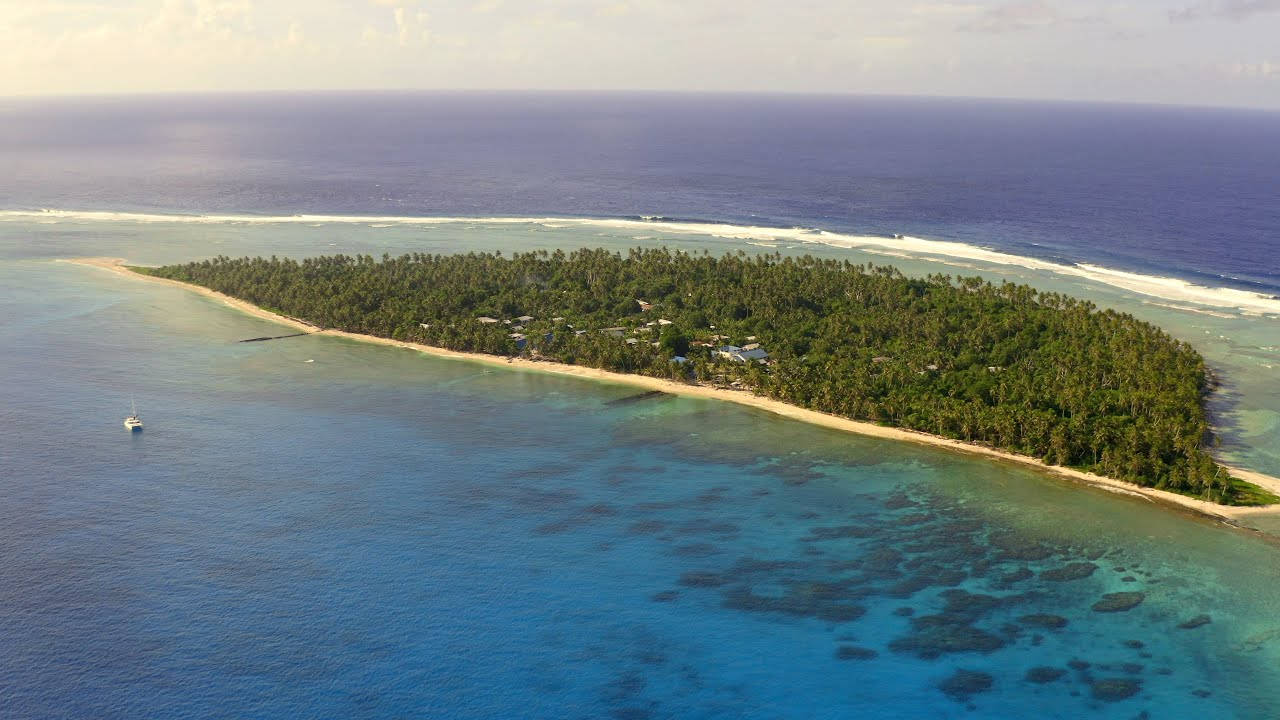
x=814 y=94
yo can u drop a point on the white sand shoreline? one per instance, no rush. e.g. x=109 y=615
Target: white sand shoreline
x=1225 y=513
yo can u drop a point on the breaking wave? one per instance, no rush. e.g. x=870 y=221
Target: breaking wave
x=954 y=253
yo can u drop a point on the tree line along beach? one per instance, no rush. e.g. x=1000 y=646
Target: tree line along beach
x=1003 y=371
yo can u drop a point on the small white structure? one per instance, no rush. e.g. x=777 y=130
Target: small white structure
x=663 y=321
x=644 y=306
x=742 y=355
x=525 y=318
x=485 y=320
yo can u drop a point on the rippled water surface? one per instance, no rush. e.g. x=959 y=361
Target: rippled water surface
x=380 y=534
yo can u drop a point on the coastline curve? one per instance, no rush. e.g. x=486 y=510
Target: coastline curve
x=1233 y=515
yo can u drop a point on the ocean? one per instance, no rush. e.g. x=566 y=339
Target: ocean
x=313 y=527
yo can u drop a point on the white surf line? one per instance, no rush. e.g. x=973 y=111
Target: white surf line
x=1165 y=288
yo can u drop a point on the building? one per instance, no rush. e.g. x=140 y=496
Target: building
x=485 y=320
x=742 y=355
x=644 y=306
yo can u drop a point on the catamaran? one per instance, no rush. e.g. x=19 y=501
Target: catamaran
x=133 y=422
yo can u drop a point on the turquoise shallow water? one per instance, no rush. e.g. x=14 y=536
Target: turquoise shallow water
x=1242 y=348
x=381 y=534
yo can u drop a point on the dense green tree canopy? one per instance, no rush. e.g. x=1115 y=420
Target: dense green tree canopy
x=1032 y=372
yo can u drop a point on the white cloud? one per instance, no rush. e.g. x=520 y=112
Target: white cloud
x=940 y=47
x=1014 y=16
x=1237 y=10
x=945 y=9
x=1258 y=70
x=403 y=29
x=294 y=36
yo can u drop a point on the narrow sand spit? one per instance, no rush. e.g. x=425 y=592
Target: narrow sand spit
x=1222 y=512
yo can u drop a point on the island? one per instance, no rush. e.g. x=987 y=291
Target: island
x=1002 y=368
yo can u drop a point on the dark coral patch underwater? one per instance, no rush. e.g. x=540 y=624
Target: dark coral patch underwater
x=965 y=683
x=1118 y=602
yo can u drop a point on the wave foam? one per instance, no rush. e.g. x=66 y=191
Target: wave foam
x=1166 y=288
x=1190 y=309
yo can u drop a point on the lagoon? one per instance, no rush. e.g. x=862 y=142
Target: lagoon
x=378 y=533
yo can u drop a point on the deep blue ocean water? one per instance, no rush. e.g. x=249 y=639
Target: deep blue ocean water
x=379 y=534
x=1167 y=191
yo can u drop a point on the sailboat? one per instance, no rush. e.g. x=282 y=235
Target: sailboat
x=133 y=422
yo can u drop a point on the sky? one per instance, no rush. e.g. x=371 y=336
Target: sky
x=1197 y=52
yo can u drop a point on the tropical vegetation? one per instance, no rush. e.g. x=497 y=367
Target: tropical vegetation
x=1036 y=373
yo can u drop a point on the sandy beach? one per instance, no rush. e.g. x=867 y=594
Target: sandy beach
x=1233 y=515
